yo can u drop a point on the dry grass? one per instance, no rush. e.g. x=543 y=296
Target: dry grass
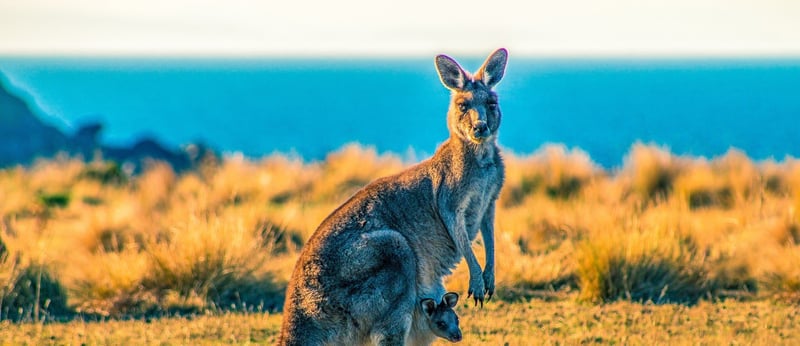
x=534 y=322
x=651 y=265
x=662 y=228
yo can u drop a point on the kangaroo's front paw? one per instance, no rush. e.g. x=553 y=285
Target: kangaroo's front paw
x=476 y=289
x=488 y=281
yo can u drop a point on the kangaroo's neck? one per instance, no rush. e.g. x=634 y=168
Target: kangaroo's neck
x=473 y=154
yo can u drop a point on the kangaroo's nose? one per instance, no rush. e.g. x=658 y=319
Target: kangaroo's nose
x=480 y=127
x=456 y=337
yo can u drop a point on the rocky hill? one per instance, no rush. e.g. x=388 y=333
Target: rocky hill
x=24 y=137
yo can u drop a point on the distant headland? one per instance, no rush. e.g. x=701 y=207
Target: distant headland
x=24 y=138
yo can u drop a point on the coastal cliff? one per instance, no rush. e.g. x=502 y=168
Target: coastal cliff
x=24 y=137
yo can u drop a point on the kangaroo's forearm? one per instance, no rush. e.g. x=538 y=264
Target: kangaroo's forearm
x=488 y=241
x=487 y=233
x=469 y=256
x=458 y=231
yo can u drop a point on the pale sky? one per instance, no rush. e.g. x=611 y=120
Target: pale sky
x=400 y=28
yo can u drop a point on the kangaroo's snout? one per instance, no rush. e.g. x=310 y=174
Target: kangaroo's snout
x=456 y=337
x=480 y=129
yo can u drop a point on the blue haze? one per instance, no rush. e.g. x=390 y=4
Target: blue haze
x=311 y=107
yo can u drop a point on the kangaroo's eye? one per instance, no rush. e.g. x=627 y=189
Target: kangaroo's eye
x=441 y=324
x=492 y=104
x=462 y=107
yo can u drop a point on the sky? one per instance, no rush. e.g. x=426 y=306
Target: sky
x=400 y=28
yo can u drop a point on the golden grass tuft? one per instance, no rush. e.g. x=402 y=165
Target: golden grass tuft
x=350 y=168
x=214 y=259
x=650 y=265
x=553 y=170
x=650 y=171
x=28 y=289
x=781 y=274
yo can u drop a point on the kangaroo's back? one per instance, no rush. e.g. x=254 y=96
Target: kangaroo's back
x=362 y=271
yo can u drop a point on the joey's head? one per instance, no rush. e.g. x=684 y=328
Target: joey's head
x=474 y=114
x=441 y=318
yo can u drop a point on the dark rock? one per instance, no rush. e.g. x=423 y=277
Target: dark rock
x=24 y=138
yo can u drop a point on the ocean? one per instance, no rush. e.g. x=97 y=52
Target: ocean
x=310 y=107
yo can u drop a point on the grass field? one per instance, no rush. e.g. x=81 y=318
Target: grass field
x=531 y=323
x=667 y=248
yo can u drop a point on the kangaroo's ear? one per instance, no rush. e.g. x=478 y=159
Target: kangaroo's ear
x=428 y=306
x=451 y=74
x=493 y=68
x=450 y=299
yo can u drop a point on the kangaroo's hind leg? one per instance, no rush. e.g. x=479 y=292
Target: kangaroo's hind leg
x=381 y=269
x=394 y=328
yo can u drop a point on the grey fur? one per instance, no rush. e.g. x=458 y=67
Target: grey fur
x=362 y=272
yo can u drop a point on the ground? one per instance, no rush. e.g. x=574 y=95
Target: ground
x=536 y=322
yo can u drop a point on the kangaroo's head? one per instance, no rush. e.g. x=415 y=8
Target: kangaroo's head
x=442 y=319
x=474 y=114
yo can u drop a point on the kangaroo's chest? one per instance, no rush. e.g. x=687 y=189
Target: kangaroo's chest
x=481 y=191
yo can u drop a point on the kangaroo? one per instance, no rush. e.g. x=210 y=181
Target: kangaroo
x=359 y=277
x=438 y=320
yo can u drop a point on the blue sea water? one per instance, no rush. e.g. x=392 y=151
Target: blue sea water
x=313 y=106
